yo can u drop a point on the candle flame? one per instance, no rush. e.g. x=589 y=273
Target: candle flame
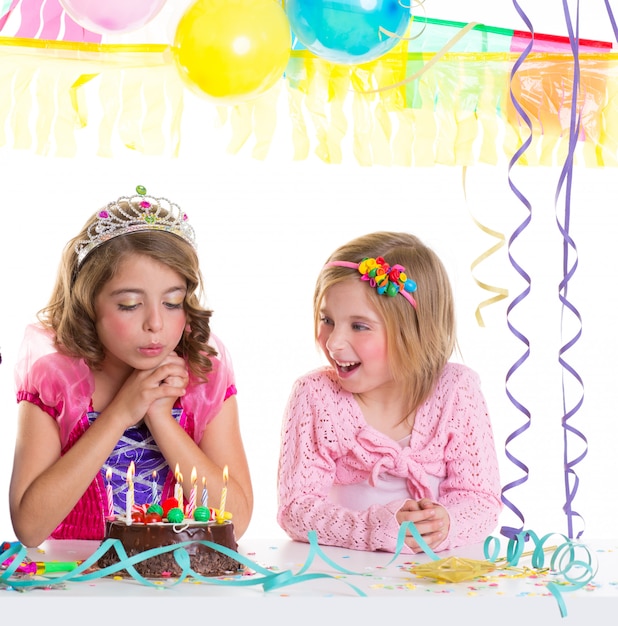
x=203 y=481
x=225 y=474
x=177 y=471
x=193 y=476
x=108 y=473
x=131 y=472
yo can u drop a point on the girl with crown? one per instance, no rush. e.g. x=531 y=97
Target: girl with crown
x=123 y=367
x=390 y=431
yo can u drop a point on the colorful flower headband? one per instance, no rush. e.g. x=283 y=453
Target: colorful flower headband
x=387 y=280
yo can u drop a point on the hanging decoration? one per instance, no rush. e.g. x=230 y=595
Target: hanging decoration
x=44 y=20
x=232 y=50
x=112 y=16
x=573 y=437
x=517 y=157
x=456 y=112
x=348 y=31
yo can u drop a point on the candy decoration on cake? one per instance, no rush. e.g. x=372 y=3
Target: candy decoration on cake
x=175 y=515
x=172 y=510
x=202 y=514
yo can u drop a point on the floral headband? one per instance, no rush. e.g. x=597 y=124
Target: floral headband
x=387 y=280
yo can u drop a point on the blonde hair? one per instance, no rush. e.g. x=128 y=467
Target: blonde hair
x=70 y=311
x=420 y=341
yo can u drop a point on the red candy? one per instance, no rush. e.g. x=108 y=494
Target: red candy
x=170 y=503
x=152 y=518
x=137 y=517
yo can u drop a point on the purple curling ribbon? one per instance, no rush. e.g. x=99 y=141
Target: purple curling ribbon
x=569 y=266
x=612 y=20
x=506 y=530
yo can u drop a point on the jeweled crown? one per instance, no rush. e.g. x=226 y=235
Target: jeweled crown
x=129 y=214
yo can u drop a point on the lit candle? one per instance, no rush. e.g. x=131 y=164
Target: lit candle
x=153 y=489
x=130 y=493
x=110 y=494
x=193 y=495
x=178 y=487
x=204 y=492
x=221 y=514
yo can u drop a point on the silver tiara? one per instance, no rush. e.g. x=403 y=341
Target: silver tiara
x=139 y=212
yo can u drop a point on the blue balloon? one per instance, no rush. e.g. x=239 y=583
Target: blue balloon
x=348 y=31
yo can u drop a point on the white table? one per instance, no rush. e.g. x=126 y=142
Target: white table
x=393 y=593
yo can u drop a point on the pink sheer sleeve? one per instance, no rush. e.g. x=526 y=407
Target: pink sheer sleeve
x=204 y=400
x=60 y=385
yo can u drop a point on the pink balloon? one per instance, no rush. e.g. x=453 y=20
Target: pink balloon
x=112 y=16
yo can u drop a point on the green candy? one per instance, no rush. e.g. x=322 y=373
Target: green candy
x=201 y=514
x=155 y=508
x=175 y=515
x=141 y=190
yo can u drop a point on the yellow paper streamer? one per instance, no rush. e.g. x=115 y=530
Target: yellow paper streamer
x=410 y=109
x=48 y=85
x=501 y=292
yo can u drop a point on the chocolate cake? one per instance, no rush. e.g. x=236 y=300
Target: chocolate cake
x=138 y=537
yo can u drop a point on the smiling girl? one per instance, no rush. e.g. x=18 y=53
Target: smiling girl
x=122 y=367
x=390 y=431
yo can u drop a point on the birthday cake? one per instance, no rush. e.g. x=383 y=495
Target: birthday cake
x=153 y=530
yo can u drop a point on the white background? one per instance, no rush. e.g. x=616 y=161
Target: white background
x=265 y=228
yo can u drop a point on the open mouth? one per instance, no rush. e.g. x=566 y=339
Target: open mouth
x=347 y=367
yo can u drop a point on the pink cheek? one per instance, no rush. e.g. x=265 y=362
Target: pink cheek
x=118 y=327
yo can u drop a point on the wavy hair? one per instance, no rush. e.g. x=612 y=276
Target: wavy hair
x=420 y=341
x=70 y=312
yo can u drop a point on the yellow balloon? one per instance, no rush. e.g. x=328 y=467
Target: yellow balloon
x=232 y=50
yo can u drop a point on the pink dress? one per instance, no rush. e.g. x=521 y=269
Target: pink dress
x=327 y=445
x=62 y=386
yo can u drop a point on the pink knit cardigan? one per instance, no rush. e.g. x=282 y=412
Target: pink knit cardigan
x=326 y=441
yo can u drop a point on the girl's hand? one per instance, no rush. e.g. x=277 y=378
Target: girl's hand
x=174 y=384
x=431 y=521
x=145 y=389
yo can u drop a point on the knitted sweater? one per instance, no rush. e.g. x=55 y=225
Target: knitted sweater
x=326 y=441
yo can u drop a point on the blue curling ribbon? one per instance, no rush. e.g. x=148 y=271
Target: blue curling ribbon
x=508 y=531
x=565 y=561
x=401 y=537
x=269 y=580
x=577 y=572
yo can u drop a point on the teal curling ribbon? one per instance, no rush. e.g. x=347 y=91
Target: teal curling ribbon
x=565 y=561
x=571 y=560
x=268 y=579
